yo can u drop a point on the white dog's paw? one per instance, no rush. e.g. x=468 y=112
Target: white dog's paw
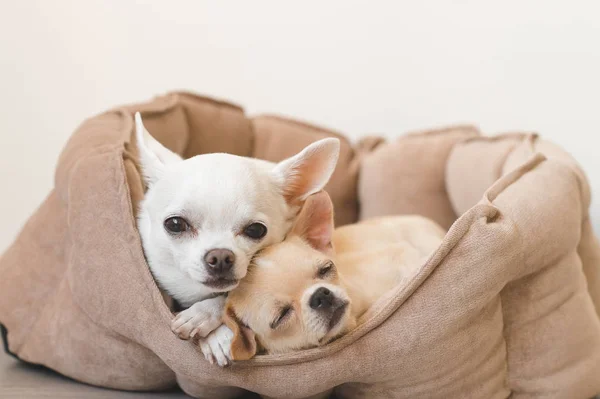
x=200 y=319
x=216 y=347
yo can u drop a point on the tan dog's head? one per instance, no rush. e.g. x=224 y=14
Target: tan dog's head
x=292 y=297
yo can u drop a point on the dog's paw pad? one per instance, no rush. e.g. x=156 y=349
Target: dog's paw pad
x=183 y=335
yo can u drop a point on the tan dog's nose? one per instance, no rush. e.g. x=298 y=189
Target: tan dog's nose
x=219 y=261
x=322 y=299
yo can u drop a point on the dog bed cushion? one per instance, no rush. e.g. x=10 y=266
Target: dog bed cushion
x=508 y=305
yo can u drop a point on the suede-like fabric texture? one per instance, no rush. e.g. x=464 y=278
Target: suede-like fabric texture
x=507 y=306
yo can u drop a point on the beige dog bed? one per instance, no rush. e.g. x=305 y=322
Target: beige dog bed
x=507 y=305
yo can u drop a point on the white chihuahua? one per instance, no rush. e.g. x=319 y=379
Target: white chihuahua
x=203 y=219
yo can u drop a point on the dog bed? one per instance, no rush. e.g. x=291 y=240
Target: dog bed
x=508 y=305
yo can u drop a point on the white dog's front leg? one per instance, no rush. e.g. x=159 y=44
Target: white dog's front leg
x=200 y=319
x=216 y=347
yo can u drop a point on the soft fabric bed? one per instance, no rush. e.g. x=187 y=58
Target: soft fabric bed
x=508 y=305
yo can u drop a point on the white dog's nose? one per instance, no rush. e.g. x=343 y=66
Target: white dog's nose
x=220 y=261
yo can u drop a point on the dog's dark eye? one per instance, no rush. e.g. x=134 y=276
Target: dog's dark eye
x=176 y=225
x=256 y=231
x=325 y=270
x=284 y=314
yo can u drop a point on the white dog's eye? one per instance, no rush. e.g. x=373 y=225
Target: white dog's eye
x=176 y=225
x=256 y=231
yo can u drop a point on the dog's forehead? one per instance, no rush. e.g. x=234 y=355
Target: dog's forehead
x=284 y=269
x=294 y=255
x=229 y=172
x=220 y=185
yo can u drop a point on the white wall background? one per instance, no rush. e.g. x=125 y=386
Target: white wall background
x=359 y=67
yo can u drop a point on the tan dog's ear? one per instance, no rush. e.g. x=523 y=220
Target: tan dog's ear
x=243 y=345
x=308 y=171
x=315 y=222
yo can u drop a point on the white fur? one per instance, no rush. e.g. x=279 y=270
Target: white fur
x=218 y=194
x=217 y=346
x=199 y=319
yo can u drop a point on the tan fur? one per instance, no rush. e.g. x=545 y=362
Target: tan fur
x=370 y=258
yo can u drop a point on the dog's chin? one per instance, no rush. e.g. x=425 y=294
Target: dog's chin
x=337 y=325
x=338 y=315
x=214 y=284
x=221 y=284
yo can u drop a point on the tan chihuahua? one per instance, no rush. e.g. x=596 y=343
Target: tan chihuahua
x=300 y=294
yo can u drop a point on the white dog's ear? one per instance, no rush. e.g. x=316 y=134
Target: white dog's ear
x=154 y=157
x=314 y=223
x=308 y=171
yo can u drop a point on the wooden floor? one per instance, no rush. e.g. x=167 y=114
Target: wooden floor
x=21 y=381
